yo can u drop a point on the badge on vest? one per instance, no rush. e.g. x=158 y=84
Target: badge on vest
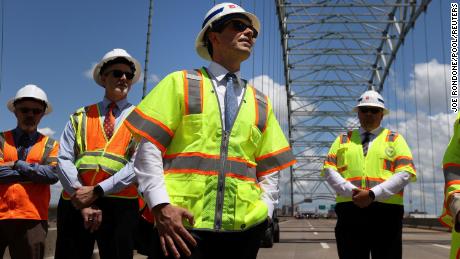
x=390 y=151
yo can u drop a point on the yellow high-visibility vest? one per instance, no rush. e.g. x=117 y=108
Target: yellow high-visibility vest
x=451 y=169
x=208 y=171
x=388 y=154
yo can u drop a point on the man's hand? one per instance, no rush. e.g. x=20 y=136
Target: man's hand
x=83 y=197
x=92 y=218
x=361 y=198
x=168 y=219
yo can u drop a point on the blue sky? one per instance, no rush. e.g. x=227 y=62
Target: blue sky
x=54 y=44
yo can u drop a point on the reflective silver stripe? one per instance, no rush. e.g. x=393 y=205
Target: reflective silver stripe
x=50 y=160
x=331 y=159
x=108 y=170
x=262 y=110
x=451 y=173
x=343 y=138
x=87 y=167
x=115 y=158
x=90 y=153
x=275 y=161
x=49 y=145
x=403 y=162
x=153 y=130
x=388 y=165
x=208 y=164
x=356 y=183
x=372 y=183
x=392 y=136
x=194 y=92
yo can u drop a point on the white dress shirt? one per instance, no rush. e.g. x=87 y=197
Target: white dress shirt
x=382 y=191
x=148 y=165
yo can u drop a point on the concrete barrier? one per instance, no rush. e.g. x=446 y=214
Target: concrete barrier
x=428 y=223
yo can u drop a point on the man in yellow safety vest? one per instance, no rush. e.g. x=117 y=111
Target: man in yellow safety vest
x=369 y=168
x=212 y=148
x=451 y=209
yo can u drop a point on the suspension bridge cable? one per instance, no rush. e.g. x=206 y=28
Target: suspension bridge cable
x=403 y=68
x=422 y=183
x=395 y=85
x=147 y=49
x=430 y=112
x=445 y=70
x=263 y=44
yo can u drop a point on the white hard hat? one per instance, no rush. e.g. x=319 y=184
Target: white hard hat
x=30 y=91
x=216 y=13
x=111 y=55
x=371 y=98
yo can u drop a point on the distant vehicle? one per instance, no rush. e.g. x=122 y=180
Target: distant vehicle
x=272 y=233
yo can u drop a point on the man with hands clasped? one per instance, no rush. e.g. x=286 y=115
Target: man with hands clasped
x=369 y=168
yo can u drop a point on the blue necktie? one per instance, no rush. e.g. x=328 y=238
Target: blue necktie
x=365 y=142
x=231 y=102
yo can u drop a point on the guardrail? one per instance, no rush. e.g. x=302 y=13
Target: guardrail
x=428 y=223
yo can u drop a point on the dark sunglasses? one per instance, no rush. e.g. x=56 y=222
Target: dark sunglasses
x=118 y=74
x=239 y=26
x=373 y=110
x=35 y=111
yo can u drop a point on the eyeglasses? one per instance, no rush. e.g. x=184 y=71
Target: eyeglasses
x=35 y=111
x=238 y=26
x=118 y=74
x=373 y=110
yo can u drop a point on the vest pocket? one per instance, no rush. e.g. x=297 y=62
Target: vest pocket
x=188 y=195
x=249 y=209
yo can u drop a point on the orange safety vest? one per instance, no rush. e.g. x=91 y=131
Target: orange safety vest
x=26 y=200
x=95 y=144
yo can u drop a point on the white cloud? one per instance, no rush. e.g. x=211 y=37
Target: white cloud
x=430 y=80
x=427 y=156
x=89 y=73
x=47 y=132
x=153 y=79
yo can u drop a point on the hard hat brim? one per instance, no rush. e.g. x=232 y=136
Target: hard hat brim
x=385 y=110
x=10 y=105
x=200 y=47
x=97 y=69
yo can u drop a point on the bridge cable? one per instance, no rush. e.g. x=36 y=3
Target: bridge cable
x=403 y=67
x=430 y=117
x=422 y=184
x=253 y=50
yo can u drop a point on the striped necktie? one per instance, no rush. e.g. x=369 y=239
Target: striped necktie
x=231 y=101
x=365 y=142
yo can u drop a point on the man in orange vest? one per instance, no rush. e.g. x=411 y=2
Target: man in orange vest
x=99 y=202
x=27 y=168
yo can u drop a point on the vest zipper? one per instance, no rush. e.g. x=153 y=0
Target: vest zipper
x=223 y=157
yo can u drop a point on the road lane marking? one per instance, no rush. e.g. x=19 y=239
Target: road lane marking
x=324 y=245
x=315 y=233
x=312 y=228
x=442 y=246
x=52 y=229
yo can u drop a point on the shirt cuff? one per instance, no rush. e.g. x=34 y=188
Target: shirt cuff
x=156 y=196
x=378 y=191
x=106 y=186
